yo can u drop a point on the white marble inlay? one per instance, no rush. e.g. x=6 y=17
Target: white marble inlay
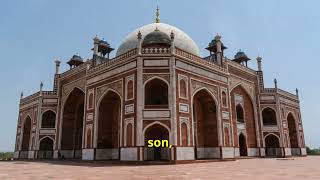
x=267 y=98
x=183 y=108
x=129 y=108
x=156 y=63
x=225 y=115
x=156 y=113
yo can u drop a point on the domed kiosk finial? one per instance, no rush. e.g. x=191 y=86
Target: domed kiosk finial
x=157 y=15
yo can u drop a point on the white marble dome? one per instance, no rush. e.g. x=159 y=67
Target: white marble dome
x=182 y=40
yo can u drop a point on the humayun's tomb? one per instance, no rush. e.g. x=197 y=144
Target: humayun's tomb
x=158 y=87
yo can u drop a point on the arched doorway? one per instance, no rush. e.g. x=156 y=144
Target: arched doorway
x=48 y=119
x=72 y=125
x=272 y=146
x=156 y=94
x=205 y=125
x=46 y=148
x=156 y=132
x=269 y=116
x=108 y=126
x=242 y=145
x=26 y=134
x=293 y=134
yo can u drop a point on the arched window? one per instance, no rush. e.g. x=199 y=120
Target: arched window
x=130 y=90
x=240 y=116
x=156 y=94
x=269 y=117
x=32 y=143
x=184 y=134
x=91 y=100
x=89 y=138
x=224 y=99
x=48 y=119
x=129 y=135
x=226 y=136
x=183 y=88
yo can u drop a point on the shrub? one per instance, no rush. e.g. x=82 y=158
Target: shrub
x=313 y=151
x=6 y=155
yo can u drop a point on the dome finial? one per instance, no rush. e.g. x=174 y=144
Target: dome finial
x=157 y=15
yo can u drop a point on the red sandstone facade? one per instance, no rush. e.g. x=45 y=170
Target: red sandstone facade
x=107 y=109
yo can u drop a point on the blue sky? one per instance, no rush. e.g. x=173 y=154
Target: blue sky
x=36 y=32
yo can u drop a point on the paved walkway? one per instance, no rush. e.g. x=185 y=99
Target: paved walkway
x=302 y=168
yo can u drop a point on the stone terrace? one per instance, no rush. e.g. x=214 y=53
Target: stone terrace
x=245 y=169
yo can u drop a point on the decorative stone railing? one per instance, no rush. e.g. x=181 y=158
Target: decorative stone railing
x=239 y=66
x=29 y=98
x=287 y=94
x=110 y=62
x=199 y=60
x=155 y=50
x=81 y=66
x=49 y=93
x=269 y=90
x=281 y=92
x=37 y=95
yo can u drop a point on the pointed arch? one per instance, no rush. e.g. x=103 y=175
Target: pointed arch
x=243 y=145
x=26 y=134
x=155 y=123
x=156 y=93
x=206 y=122
x=269 y=116
x=48 y=119
x=293 y=132
x=240 y=113
x=183 y=88
x=72 y=123
x=46 y=148
x=244 y=89
x=97 y=105
x=272 y=144
x=156 y=131
x=108 y=120
x=239 y=95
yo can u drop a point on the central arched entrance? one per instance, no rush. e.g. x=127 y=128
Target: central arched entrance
x=72 y=125
x=108 y=127
x=272 y=146
x=156 y=132
x=205 y=125
x=46 y=148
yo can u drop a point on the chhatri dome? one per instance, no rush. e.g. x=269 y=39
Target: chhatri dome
x=181 y=39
